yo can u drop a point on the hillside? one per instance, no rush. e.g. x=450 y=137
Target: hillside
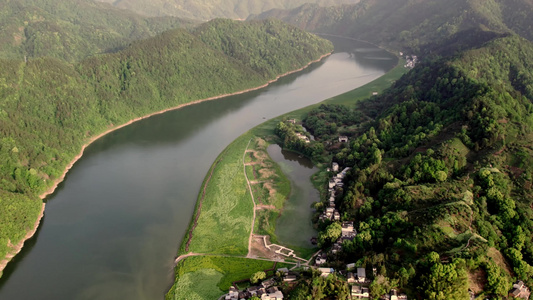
x=209 y=9
x=72 y=30
x=50 y=108
x=440 y=186
x=407 y=25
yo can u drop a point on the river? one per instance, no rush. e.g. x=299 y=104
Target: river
x=112 y=229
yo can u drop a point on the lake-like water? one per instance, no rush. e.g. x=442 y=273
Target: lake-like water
x=113 y=227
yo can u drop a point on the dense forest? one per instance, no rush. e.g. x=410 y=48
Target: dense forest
x=209 y=9
x=408 y=25
x=50 y=107
x=440 y=185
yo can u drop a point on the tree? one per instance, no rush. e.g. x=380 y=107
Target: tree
x=257 y=276
x=331 y=234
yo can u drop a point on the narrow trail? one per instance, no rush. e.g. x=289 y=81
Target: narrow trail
x=253 y=200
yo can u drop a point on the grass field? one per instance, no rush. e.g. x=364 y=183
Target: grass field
x=209 y=277
x=226 y=215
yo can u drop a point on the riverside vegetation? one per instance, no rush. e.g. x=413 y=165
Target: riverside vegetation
x=51 y=106
x=440 y=186
x=227 y=202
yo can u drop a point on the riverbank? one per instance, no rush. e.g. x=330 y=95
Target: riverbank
x=18 y=247
x=237 y=147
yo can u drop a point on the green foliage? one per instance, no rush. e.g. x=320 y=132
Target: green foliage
x=226 y=213
x=208 y=277
x=50 y=108
x=18 y=213
x=319 y=287
x=257 y=276
x=444 y=281
x=330 y=235
x=73 y=29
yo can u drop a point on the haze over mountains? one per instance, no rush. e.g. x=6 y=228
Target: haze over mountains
x=409 y=24
x=209 y=9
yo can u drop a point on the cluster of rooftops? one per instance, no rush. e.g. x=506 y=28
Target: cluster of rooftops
x=331 y=213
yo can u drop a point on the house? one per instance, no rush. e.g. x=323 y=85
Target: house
x=335 y=167
x=289 y=278
x=274 y=296
x=350 y=277
x=343 y=139
x=347 y=231
x=331 y=184
x=233 y=294
x=283 y=271
x=302 y=137
x=359 y=292
x=329 y=212
x=321 y=259
x=336 y=214
x=519 y=290
x=256 y=290
x=337 y=247
x=326 y=271
x=361 y=275
x=350 y=266
x=268 y=283
x=374 y=93
x=393 y=294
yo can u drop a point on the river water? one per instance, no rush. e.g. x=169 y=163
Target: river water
x=112 y=229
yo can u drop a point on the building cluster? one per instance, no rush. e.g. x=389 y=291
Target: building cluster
x=331 y=213
x=519 y=291
x=303 y=137
x=411 y=61
x=267 y=290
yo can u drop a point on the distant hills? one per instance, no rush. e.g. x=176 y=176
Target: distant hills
x=209 y=9
x=407 y=24
x=74 y=29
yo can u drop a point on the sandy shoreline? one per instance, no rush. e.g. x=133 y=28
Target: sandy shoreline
x=17 y=248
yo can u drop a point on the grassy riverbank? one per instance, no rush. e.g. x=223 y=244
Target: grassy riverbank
x=226 y=209
x=208 y=277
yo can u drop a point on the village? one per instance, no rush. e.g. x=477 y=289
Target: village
x=355 y=277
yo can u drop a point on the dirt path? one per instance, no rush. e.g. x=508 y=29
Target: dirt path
x=253 y=200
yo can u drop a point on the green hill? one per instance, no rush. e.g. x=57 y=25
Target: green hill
x=405 y=24
x=72 y=30
x=440 y=187
x=209 y=9
x=49 y=108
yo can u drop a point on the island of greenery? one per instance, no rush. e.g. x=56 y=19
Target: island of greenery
x=58 y=92
x=426 y=186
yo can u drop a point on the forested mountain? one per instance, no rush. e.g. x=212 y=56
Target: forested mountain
x=72 y=30
x=408 y=24
x=49 y=108
x=209 y=9
x=440 y=190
